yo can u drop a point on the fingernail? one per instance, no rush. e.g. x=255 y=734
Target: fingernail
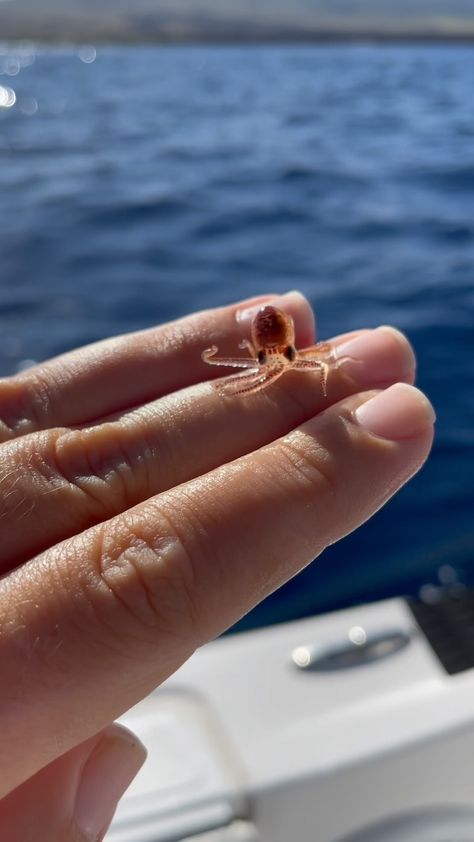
x=379 y=356
x=108 y=772
x=255 y=302
x=400 y=412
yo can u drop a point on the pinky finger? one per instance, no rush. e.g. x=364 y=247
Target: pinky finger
x=74 y=798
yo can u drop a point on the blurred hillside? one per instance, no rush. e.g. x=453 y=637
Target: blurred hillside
x=219 y=20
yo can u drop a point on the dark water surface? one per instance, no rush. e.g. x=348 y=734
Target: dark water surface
x=149 y=182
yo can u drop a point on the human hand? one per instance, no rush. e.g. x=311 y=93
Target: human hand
x=141 y=514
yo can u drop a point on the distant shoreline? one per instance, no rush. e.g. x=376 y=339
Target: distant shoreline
x=317 y=39
x=49 y=27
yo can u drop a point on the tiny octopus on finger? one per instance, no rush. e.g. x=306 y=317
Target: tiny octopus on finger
x=272 y=352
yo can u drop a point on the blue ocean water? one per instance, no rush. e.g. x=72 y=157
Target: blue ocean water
x=138 y=184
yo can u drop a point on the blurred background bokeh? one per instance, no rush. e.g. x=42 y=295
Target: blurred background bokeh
x=139 y=182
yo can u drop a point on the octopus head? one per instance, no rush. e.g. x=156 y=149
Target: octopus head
x=272 y=328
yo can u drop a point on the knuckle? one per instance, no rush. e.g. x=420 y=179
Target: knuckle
x=14 y=502
x=20 y=409
x=148 y=580
x=110 y=470
x=312 y=466
x=149 y=449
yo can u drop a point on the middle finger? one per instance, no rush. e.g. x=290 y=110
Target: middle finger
x=63 y=481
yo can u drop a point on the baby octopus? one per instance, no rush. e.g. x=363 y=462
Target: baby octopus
x=272 y=352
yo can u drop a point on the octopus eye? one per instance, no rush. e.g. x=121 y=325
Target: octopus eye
x=290 y=353
x=262 y=357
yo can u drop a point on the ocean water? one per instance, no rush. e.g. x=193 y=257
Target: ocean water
x=139 y=184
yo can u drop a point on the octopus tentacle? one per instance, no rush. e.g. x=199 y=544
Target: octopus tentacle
x=235 y=362
x=315 y=365
x=235 y=384
x=239 y=384
x=245 y=344
x=322 y=350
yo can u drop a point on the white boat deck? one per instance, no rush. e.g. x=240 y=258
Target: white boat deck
x=244 y=746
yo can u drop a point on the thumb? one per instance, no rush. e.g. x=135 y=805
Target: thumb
x=74 y=798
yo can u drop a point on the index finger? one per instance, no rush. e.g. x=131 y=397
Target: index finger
x=101 y=619
x=117 y=374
